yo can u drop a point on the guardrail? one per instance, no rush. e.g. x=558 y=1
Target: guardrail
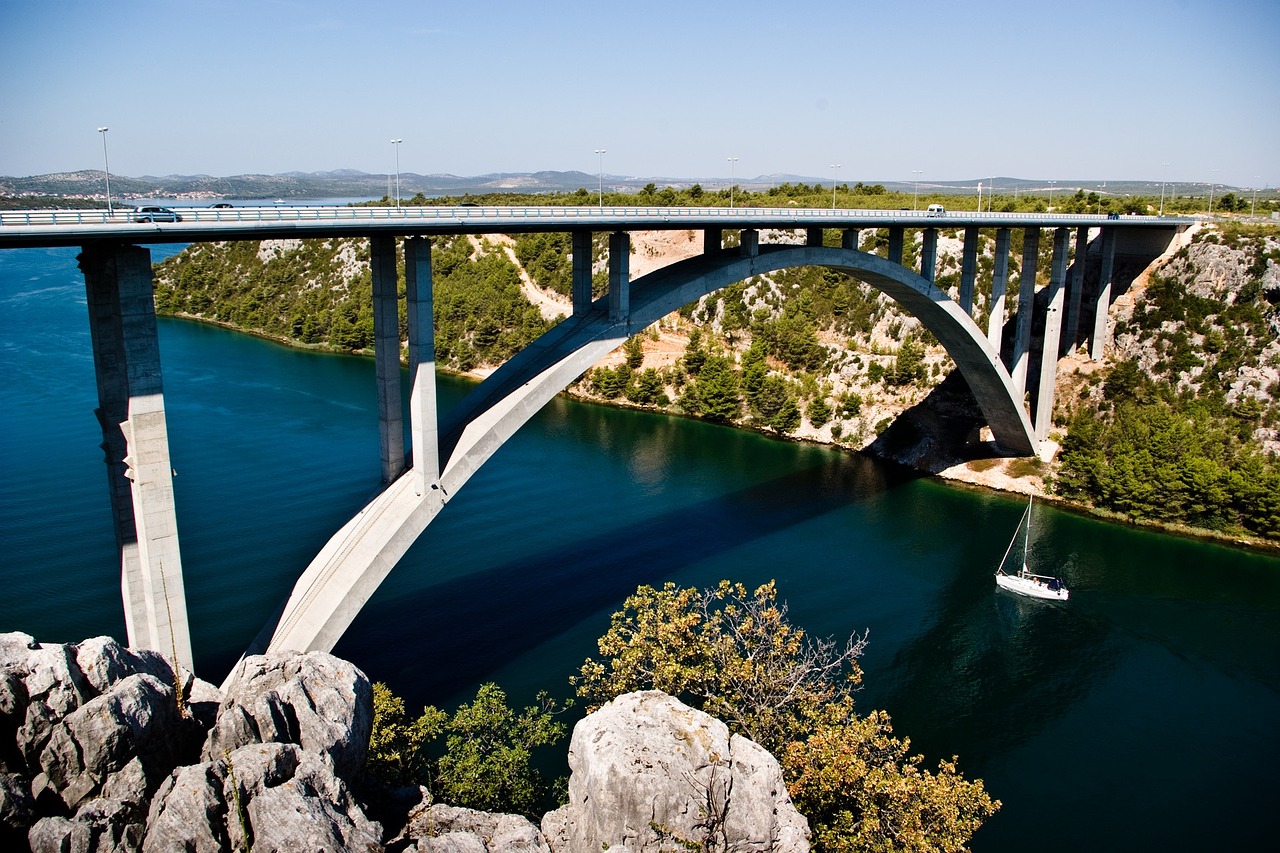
x=613 y=215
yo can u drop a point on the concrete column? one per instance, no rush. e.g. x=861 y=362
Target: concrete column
x=126 y=355
x=929 y=254
x=1026 y=301
x=1043 y=413
x=1101 y=311
x=749 y=243
x=619 y=277
x=582 y=265
x=999 y=281
x=424 y=432
x=968 y=269
x=813 y=236
x=712 y=239
x=386 y=355
x=849 y=239
x=895 y=244
x=1075 y=289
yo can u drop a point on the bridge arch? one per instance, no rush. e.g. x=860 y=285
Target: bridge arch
x=351 y=566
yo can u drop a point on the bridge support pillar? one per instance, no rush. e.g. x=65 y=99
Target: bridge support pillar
x=968 y=269
x=1052 y=334
x=999 y=281
x=749 y=243
x=386 y=355
x=619 y=277
x=712 y=239
x=1102 y=308
x=849 y=239
x=929 y=254
x=424 y=431
x=582 y=265
x=126 y=357
x=1076 y=290
x=813 y=236
x=1026 y=301
x=895 y=244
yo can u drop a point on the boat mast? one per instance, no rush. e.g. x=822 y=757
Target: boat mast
x=1026 y=542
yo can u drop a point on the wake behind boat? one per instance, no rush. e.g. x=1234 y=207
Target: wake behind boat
x=1025 y=582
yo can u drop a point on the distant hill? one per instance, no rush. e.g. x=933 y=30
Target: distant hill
x=349 y=183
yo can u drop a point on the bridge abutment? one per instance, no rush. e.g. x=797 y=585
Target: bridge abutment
x=126 y=357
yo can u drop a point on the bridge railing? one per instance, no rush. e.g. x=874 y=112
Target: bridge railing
x=794 y=217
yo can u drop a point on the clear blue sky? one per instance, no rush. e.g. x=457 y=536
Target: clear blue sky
x=959 y=90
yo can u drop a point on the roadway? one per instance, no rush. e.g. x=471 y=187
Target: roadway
x=38 y=228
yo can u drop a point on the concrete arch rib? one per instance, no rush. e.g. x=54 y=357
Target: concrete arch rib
x=345 y=574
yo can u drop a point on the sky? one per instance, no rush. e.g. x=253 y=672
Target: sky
x=1083 y=90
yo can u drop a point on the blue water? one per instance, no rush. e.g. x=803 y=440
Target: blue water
x=1140 y=716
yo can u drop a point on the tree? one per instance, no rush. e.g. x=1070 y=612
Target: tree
x=735 y=655
x=486 y=762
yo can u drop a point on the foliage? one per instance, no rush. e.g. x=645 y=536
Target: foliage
x=735 y=655
x=486 y=760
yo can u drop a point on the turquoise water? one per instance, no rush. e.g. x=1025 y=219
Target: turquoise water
x=1140 y=716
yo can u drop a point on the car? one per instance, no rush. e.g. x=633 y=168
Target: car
x=936 y=210
x=155 y=214
x=1113 y=216
x=222 y=205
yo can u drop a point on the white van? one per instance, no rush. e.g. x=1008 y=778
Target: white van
x=936 y=210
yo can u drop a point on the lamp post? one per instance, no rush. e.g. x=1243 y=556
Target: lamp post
x=915 y=193
x=601 y=152
x=991 y=194
x=1253 y=208
x=1212 y=181
x=1051 y=195
x=1163 y=180
x=835 y=180
x=731 y=160
x=106 y=166
x=396 y=143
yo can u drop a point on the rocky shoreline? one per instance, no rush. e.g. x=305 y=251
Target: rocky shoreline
x=105 y=748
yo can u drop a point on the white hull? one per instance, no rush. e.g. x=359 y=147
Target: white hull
x=1031 y=586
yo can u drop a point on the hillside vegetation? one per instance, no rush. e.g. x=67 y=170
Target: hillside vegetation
x=1178 y=425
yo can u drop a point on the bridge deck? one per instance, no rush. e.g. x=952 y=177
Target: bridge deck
x=33 y=228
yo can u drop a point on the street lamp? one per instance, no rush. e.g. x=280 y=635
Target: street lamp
x=601 y=152
x=1163 y=180
x=1253 y=208
x=731 y=160
x=1211 y=183
x=1051 y=183
x=1102 y=189
x=835 y=180
x=106 y=166
x=991 y=194
x=396 y=143
x=916 y=192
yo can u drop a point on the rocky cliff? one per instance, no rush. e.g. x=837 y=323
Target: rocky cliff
x=104 y=748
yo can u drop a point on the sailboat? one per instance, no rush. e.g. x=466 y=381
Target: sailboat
x=1025 y=582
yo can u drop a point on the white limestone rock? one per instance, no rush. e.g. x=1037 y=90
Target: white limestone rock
x=649 y=773
x=448 y=829
x=319 y=702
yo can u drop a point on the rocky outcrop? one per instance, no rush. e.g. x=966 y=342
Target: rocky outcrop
x=650 y=773
x=446 y=829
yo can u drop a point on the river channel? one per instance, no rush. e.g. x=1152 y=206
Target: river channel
x=1141 y=715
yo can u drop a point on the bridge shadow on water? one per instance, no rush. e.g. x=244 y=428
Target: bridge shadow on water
x=448 y=637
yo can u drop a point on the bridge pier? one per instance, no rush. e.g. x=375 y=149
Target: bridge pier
x=1102 y=306
x=1043 y=413
x=712 y=240
x=749 y=243
x=895 y=244
x=619 y=276
x=999 y=281
x=849 y=239
x=929 y=254
x=386 y=355
x=135 y=439
x=582 y=265
x=424 y=431
x=1076 y=290
x=813 y=236
x=1026 y=301
x=968 y=268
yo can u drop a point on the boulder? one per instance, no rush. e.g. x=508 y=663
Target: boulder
x=649 y=773
x=447 y=829
x=314 y=700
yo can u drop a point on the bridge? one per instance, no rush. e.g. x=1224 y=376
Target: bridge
x=443 y=454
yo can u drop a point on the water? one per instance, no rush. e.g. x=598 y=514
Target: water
x=1139 y=716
